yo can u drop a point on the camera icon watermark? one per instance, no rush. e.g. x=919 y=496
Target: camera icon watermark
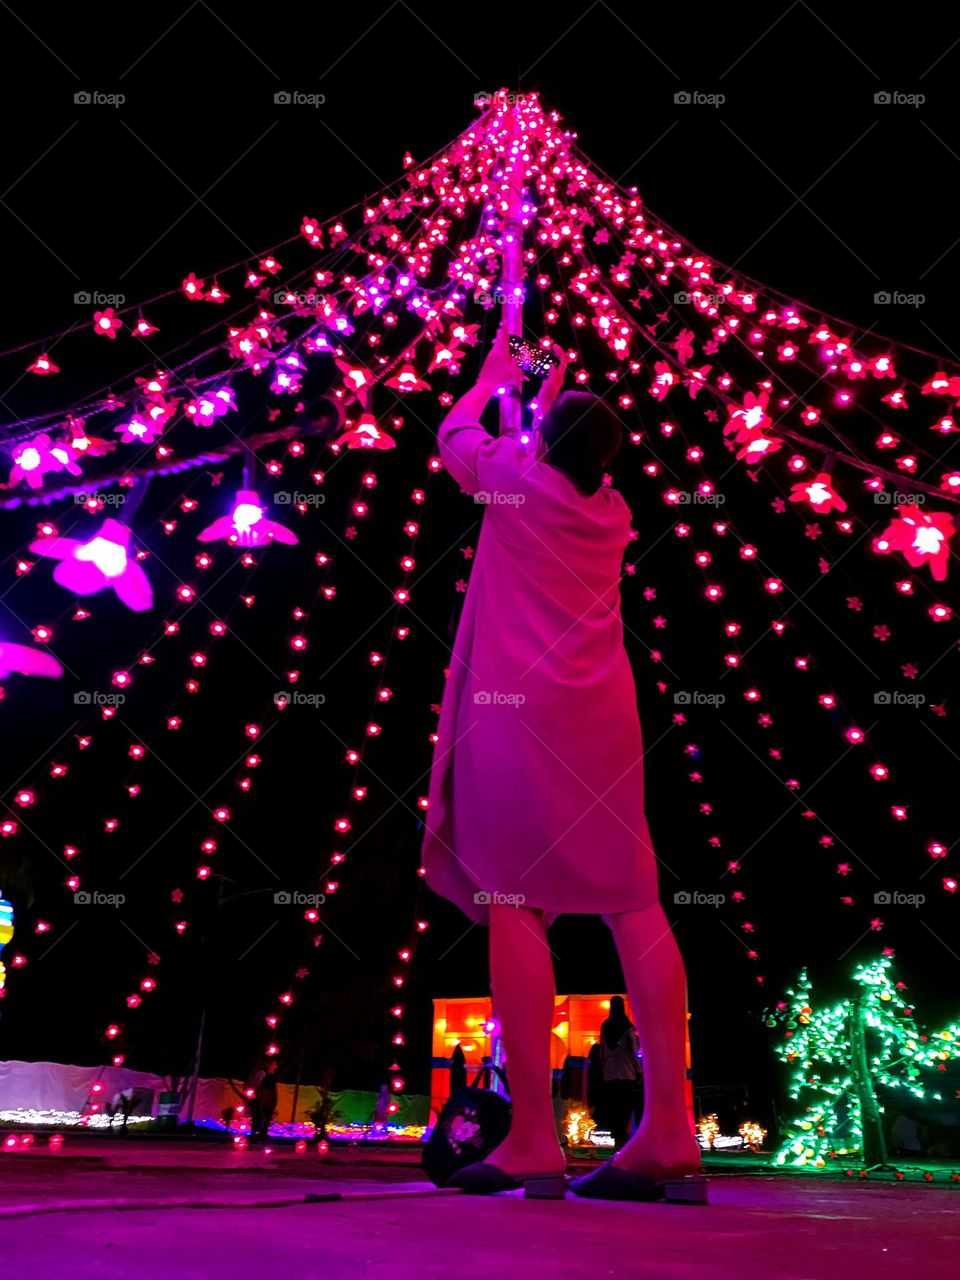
x=291 y=298
x=494 y=698
x=894 y=898
x=502 y=98
x=897 y=98
x=288 y=498
x=297 y=98
x=703 y=300
x=896 y=698
x=496 y=298
x=698 y=698
x=897 y=298
x=897 y=498
x=94 y=698
x=96 y=98
x=297 y=898
x=696 y=98
x=298 y=698
x=96 y=298
x=694 y=498
x=99 y=499
x=695 y=898
x=487 y=898
x=95 y=898
x=498 y=498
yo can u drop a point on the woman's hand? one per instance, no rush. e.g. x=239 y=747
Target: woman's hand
x=553 y=383
x=499 y=369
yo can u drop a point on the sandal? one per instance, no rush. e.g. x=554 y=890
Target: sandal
x=610 y=1182
x=482 y=1179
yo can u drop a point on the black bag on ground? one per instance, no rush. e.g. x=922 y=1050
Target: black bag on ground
x=473 y=1121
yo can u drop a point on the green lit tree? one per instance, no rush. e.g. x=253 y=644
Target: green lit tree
x=840 y=1054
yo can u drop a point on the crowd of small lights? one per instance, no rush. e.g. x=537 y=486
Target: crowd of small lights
x=36 y=1117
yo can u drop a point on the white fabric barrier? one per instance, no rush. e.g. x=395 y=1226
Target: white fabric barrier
x=61 y=1087
x=39 y=1092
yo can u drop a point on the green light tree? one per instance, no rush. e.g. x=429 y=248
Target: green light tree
x=841 y=1054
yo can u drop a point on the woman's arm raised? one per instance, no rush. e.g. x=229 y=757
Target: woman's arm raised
x=460 y=435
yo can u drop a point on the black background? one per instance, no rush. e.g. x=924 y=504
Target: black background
x=799 y=178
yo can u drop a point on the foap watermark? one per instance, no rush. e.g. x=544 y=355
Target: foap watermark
x=697 y=98
x=291 y=498
x=494 y=698
x=291 y=298
x=698 y=698
x=298 y=898
x=97 y=98
x=298 y=698
x=696 y=898
x=497 y=298
x=94 y=298
x=694 y=498
x=97 y=898
x=897 y=698
x=897 y=498
x=483 y=98
x=96 y=698
x=486 y=898
x=684 y=299
x=894 y=898
x=897 y=98
x=99 y=499
x=297 y=98
x=498 y=498
x=897 y=298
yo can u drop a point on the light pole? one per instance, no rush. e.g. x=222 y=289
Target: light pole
x=194 y=1077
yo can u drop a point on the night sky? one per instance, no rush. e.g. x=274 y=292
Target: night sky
x=799 y=178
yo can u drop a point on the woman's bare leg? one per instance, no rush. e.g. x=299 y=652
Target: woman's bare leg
x=521 y=975
x=656 y=982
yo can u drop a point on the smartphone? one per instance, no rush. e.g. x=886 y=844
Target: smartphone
x=532 y=358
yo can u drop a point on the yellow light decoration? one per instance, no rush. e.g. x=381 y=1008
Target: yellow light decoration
x=753 y=1135
x=578 y=1125
x=709 y=1128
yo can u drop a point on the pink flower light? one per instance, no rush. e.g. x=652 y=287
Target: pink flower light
x=27 y=661
x=820 y=493
x=32 y=460
x=247 y=526
x=88 y=567
x=365 y=435
x=922 y=537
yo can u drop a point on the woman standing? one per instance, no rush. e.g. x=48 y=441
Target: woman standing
x=536 y=794
x=620 y=1065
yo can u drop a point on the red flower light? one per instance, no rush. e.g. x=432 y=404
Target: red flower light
x=922 y=537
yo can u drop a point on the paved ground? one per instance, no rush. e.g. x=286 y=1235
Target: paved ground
x=757 y=1227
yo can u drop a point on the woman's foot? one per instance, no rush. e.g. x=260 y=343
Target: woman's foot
x=659 y=1157
x=544 y=1156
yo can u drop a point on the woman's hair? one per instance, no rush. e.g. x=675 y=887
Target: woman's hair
x=616 y=1023
x=582 y=435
